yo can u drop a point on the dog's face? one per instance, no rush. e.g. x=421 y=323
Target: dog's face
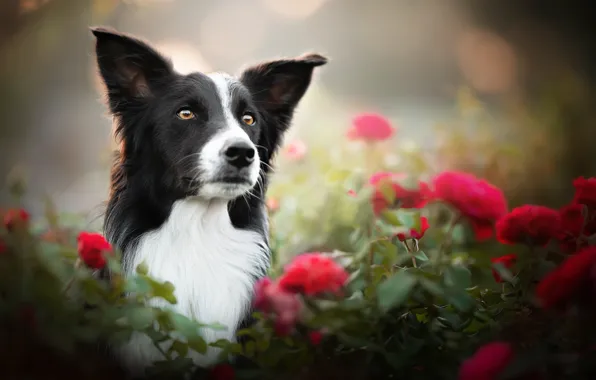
x=208 y=133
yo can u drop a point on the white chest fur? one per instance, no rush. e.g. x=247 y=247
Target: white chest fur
x=212 y=266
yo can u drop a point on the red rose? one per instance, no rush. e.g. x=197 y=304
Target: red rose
x=273 y=300
x=92 y=249
x=529 y=224
x=585 y=192
x=404 y=198
x=222 y=372
x=479 y=201
x=414 y=234
x=559 y=286
x=16 y=218
x=487 y=363
x=507 y=261
x=312 y=274
x=370 y=127
x=572 y=227
x=315 y=337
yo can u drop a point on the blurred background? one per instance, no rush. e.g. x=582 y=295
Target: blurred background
x=501 y=88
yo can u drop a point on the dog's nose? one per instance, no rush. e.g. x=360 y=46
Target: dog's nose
x=239 y=154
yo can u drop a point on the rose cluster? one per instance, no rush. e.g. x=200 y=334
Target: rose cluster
x=572 y=229
x=308 y=275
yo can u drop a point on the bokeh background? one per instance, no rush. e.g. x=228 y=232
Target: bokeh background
x=462 y=80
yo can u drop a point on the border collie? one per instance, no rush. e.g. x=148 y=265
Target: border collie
x=188 y=186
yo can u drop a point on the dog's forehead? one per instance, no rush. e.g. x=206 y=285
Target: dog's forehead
x=220 y=87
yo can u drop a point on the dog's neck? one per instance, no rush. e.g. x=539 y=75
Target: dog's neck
x=142 y=201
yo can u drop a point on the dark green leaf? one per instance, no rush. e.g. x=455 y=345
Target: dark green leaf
x=460 y=299
x=504 y=273
x=180 y=348
x=395 y=290
x=458 y=276
x=249 y=348
x=198 y=344
x=262 y=345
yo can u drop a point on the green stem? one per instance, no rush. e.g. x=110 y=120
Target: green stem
x=68 y=285
x=448 y=240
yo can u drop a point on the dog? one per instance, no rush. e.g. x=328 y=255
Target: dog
x=188 y=186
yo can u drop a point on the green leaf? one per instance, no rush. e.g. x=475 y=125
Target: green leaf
x=141 y=317
x=386 y=189
x=458 y=276
x=395 y=290
x=409 y=219
x=391 y=218
x=504 y=273
x=180 y=348
x=421 y=256
x=432 y=287
x=249 y=348
x=198 y=344
x=184 y=325
x=263 y=345
x=164 y=290
x=460 y=299
x=114 y=265
x=142 y=269
x=137 y=285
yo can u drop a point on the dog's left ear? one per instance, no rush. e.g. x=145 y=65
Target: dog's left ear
x=279 y=85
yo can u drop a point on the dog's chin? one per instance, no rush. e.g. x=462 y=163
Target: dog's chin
x=225 y=189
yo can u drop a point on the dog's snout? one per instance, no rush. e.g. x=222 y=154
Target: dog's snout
x=239 y=154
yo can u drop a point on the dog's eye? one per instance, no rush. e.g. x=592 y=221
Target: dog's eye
x=248 y=119
x=185 y=114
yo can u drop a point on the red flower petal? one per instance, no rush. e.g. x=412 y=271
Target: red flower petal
x=560 y=286
x=529 y=224
x=487 y=363
x=15 y=218
x=315 y=337
x=312 y=274
x=370 y=127
x=475 y=199
x=92 y=248
x=222 y=372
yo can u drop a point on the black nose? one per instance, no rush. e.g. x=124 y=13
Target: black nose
x=239 y=154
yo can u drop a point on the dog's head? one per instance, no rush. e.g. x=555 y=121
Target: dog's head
x=206 y=134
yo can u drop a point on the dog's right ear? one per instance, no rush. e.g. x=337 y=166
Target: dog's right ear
x=129 y=67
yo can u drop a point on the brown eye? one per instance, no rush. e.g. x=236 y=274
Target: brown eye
x=248 y=119
x=185 y=114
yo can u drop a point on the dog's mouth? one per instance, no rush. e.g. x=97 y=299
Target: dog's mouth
x=227 y=180
x=233 y=180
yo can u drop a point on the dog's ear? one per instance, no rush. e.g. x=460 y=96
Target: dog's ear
x=279 y=85
x=128 y=66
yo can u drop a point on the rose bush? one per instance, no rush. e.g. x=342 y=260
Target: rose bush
x=382 y=272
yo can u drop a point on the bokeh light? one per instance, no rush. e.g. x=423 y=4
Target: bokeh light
x=487 y=61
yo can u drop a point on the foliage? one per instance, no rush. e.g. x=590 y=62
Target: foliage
x=412 y=308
